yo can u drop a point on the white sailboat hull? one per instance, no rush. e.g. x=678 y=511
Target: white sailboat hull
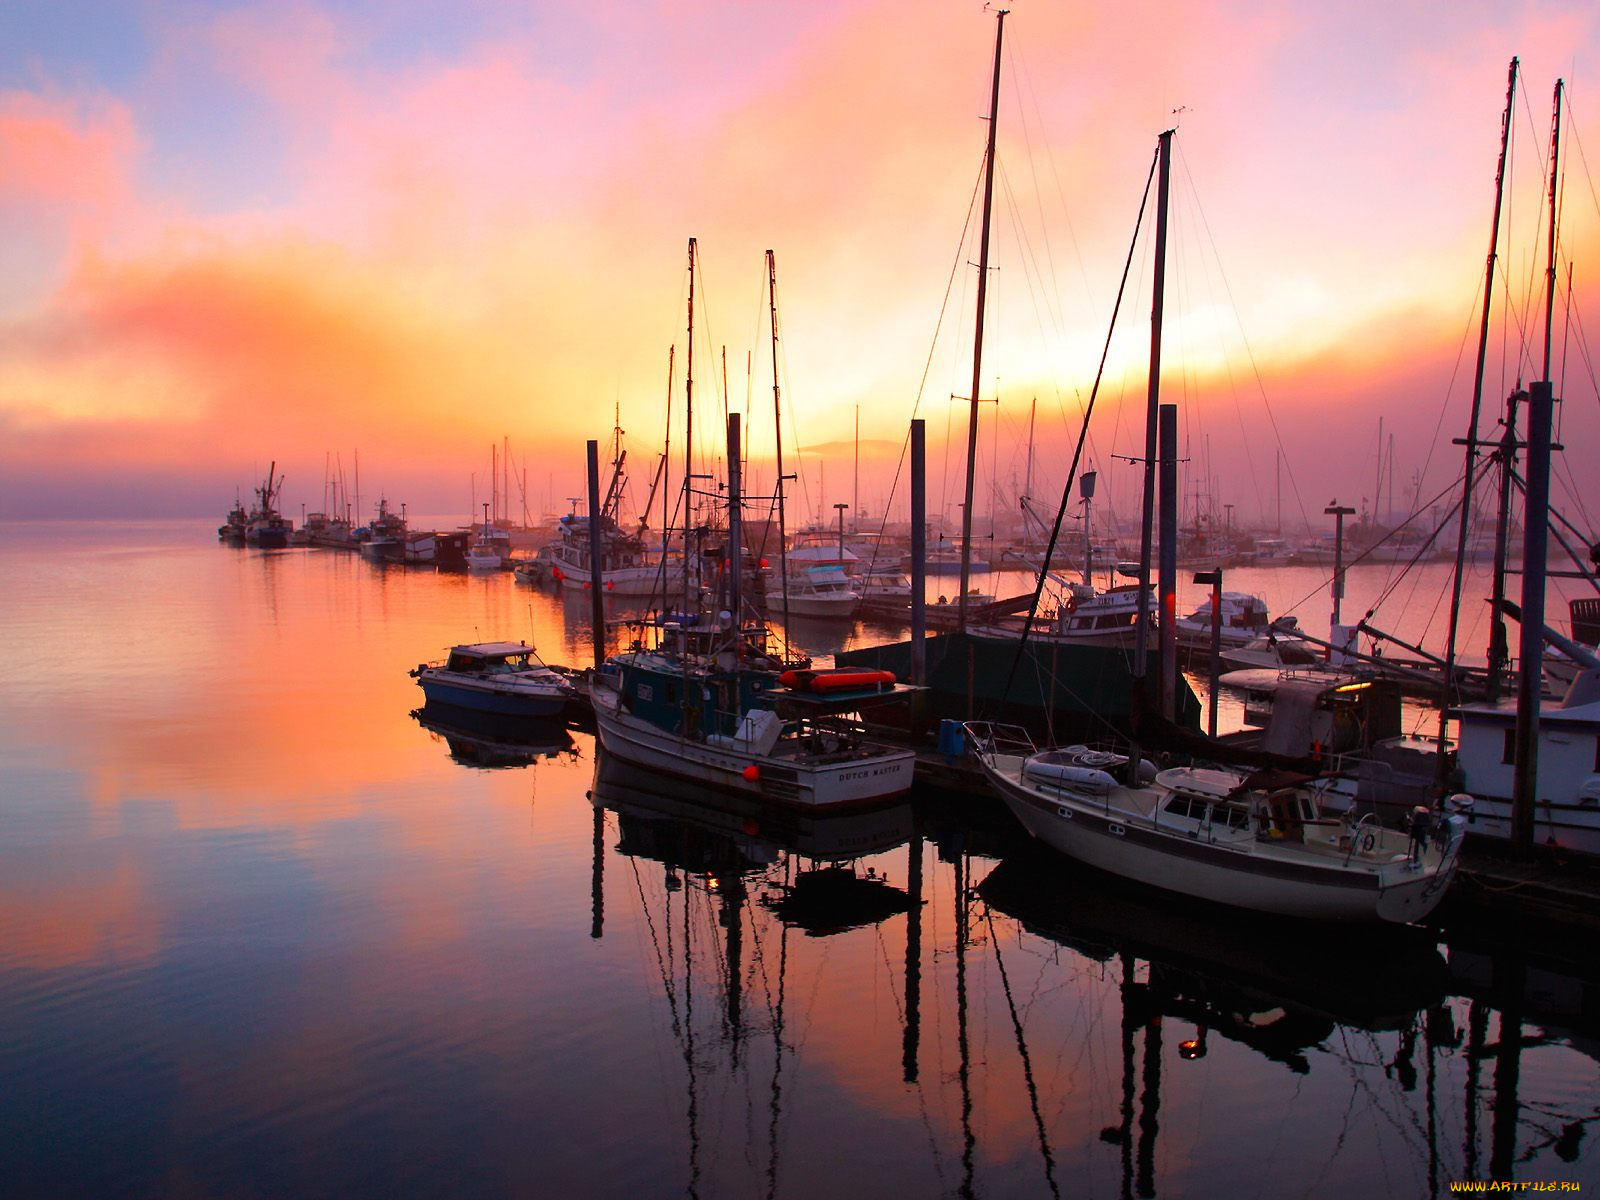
x=1230 y=875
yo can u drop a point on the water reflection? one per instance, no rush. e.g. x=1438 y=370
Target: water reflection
x=261 y=933
x=492 y=740
x=1373 y=978
x=736 y=878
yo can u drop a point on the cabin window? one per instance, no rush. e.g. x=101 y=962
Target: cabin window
x=1597 y=754
x=1236 y=817
x=1508 y=753
x=1187 y=806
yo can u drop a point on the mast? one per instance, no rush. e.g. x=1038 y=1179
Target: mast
x=977 y=341
x=777 y=425
x=688 y=425
x=1471 y=441
x=1141 y=648
x=1550 y=254
x=1027 y=478
x=1535 y=547
x=1499 y=659
x=734 y=559
x=666 y=501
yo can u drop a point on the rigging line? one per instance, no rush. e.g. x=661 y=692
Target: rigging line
x=1359 y=559
x=1565 y=466
x=1255 y=366
x=1077 y=452
x=1020 y=72
x=655 y=940
x=1440 y=495
x=1507 y=198
x=1032 y=271
x=1558 y=518
x=933 y=344
x=1027 y=1062
x=1576 y=317
x=1227 y=363
x=1535 y=271
x=1444 y=404
x=1572 y=132
x=1517 y=317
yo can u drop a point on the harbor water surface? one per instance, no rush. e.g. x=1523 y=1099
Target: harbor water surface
x=266 y=930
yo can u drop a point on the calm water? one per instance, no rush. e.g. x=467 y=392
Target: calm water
x=264 y=933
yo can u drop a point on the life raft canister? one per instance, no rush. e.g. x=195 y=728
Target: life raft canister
x=835 y=679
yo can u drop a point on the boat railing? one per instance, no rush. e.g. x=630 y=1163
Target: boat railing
x=988 y=739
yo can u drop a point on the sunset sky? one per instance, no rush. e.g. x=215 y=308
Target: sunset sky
x=238 y=233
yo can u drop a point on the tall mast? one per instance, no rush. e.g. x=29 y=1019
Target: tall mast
x=1471 y=441
x=1027 y=484
x=777 y=426
x=1550 y=255
x=688 y=437
x=1141 y=648
x=977 y=340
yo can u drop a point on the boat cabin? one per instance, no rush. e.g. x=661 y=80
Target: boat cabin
x=493 y=658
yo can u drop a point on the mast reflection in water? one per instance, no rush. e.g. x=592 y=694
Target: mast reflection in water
x=262 y=931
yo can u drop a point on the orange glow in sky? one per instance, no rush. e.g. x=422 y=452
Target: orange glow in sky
x=268 y=232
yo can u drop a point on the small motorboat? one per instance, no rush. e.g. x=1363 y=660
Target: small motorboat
x=498 y=677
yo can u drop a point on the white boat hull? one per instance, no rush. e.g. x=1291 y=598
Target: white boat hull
x=630 y=581
x=1389 y=891
x=840 y=608
x=810 y=784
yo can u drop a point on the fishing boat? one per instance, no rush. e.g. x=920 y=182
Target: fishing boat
x=384 y=538
x=628 y=565
x=1256 y=841
x=1086 y=616
x=266 y=527
x=232 y=529
x=709 y=705
x=496 y=677
x=700 y=695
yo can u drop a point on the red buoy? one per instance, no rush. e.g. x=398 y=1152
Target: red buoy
x=752 y=772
